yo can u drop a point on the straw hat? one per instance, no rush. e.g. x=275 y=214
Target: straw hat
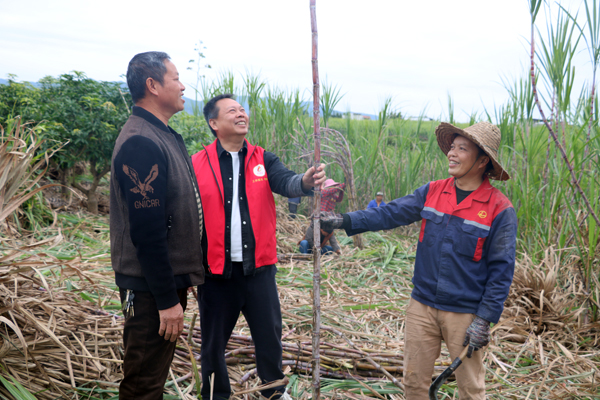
x=483 y=134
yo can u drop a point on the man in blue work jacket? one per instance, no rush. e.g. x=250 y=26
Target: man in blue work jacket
x=465 y=257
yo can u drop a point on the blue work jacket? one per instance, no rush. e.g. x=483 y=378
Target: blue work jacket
x=466 y=252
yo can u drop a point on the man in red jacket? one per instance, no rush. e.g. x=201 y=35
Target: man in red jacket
x=236 y=181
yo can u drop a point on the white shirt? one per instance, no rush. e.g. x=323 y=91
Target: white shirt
x=236 y=220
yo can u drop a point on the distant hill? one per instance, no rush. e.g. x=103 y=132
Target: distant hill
x=5 y=82
x=190 y=104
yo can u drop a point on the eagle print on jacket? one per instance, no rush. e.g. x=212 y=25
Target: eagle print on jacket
x=142 y=188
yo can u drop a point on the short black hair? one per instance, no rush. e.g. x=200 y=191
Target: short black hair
x=142 y=66
x=211 y=111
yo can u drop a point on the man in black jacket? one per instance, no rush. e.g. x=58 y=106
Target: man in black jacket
x=156 y=225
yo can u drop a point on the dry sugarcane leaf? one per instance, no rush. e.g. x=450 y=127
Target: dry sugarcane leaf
x=18 y=332
x=44 y=329
x=566 y=352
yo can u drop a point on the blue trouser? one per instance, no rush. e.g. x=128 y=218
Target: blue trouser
x=221 y=301
x=304 y=249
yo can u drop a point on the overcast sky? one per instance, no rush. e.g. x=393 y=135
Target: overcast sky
x=419 y=52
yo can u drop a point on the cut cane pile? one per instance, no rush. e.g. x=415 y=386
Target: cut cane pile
x=58 y=344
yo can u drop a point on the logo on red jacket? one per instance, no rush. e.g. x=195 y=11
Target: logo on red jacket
x=259 y=170
x=482 y=214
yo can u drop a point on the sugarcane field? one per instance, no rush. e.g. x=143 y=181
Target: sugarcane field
x=252 y=241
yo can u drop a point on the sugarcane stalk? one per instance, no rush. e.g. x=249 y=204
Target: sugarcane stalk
x=377 y=366
x=560 y=147
x=343 y=157
x=316 y=362
x=266 y=386
x=592 y=96
x=574 y=179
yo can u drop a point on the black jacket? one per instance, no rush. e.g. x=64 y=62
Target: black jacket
x=154 y=220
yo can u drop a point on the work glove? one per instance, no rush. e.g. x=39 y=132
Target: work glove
x=478 y=335
x=331 y=221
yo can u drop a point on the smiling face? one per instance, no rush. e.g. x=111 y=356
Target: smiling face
x=232 y=120
x=464 y=161
x=170 y=92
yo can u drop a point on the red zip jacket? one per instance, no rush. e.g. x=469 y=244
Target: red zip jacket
x=260 y=200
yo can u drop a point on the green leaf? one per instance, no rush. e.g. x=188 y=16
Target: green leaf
x=16 y=389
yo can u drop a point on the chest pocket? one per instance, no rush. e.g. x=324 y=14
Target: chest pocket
x=470 y=243
x=431 y=227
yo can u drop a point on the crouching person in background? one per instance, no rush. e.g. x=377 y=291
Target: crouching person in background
x=331 y=194
x=328 y=241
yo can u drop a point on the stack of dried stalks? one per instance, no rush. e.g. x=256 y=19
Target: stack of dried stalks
x=50 y=338
x=547 y=303
x=20 y=169
x=542 y=327
x=52 y=341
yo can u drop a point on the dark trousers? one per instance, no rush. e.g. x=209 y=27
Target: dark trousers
x=305 y=249
x=221 y=301
x=148 y=356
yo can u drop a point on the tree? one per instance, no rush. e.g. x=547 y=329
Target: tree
x=193 y=129
x=18 y=99
x=88 y=115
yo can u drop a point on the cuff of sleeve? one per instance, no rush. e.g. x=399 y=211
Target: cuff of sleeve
x=308 y=192
x=347 y=224
x=166 y=300
x=492 y=316
x=295 y=188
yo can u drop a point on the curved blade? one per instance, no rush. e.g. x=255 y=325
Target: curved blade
x=439 y=381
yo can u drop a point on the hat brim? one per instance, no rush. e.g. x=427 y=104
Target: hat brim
x=445 y=133
x=330 y=185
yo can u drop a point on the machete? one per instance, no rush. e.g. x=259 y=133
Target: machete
x=439 y=381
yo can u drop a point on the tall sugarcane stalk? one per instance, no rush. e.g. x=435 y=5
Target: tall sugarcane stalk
x=316 y=364
x=534 y=7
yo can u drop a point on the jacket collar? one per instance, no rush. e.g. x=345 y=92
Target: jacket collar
x=221 y=150
x=482 y=194
x=151 y=118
